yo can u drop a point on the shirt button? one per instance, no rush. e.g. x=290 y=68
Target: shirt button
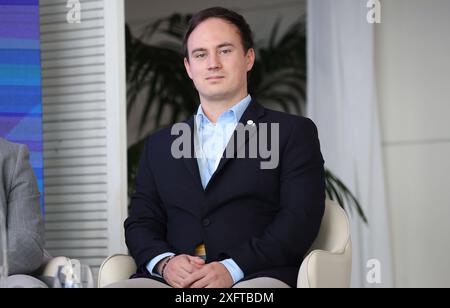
x=206 y=222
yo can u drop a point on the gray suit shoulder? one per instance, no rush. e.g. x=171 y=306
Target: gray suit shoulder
x=10 y=153
x=8 y=149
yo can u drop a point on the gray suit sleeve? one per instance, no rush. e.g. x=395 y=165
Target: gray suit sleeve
x=25 y=221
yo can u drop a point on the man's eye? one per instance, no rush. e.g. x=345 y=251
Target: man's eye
x=225 y=51
x=199 y=55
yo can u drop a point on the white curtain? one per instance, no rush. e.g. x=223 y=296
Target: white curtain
x=343 y=103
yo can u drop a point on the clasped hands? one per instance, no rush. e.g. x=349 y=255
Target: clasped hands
x=184 y=271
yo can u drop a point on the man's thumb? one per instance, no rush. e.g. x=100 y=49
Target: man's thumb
x=197 y=260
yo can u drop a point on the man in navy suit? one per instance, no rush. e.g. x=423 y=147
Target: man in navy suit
x=208 y=213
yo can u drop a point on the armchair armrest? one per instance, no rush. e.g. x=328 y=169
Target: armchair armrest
x=50 y=268
x=48 y=272
x=323 y=269
x=116 y=268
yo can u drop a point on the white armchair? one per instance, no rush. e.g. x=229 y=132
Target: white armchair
x=116 y=268
x=328 y=264
x=51 y=266
x=48 y=272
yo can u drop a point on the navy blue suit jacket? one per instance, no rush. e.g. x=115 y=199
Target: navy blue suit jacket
x=265 y=220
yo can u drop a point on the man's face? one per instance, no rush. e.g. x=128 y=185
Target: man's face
x=217 y=63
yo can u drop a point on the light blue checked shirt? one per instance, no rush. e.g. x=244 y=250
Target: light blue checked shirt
x=213 y=139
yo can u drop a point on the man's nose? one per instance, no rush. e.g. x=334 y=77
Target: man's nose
x=214 y=62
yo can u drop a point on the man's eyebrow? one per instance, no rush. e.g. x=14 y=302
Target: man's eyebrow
x=225 y=45
x=218 y=46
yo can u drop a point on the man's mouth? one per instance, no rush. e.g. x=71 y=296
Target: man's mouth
x=215 y=77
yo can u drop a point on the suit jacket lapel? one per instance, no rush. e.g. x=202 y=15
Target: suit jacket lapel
x=191 y=163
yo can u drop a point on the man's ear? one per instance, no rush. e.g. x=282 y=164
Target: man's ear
x=187 y=67
x=250 y=57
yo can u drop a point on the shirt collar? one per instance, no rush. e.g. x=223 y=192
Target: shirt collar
x=237 y=110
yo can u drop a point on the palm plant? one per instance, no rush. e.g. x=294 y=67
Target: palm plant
x=278 y=78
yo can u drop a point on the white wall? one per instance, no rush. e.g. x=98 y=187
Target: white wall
x=413 y=50
x=260 y=14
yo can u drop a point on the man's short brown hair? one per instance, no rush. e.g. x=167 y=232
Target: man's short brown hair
x=225 y=14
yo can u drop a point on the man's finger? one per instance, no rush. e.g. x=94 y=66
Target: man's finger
x=195 y=276
x=186 y=267
x=192 y=278
x=197 y=260
x=183 y=275
x=200 y=283
x=176 y=284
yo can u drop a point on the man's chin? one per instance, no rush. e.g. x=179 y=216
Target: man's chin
x=217 y=96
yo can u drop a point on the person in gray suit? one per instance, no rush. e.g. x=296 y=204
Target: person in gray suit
x=20 y=204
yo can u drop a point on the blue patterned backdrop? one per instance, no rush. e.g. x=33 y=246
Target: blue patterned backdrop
x=20 y=78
